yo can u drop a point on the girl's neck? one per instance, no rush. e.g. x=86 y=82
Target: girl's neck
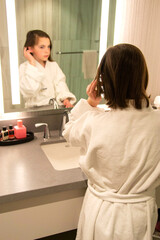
x=43 y=63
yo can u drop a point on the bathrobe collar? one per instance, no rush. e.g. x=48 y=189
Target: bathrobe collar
x=39 y=66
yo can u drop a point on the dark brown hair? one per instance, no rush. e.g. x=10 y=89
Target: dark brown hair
x=32 y=39
x=123 y=75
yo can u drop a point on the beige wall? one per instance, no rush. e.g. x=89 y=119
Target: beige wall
x=137 y=22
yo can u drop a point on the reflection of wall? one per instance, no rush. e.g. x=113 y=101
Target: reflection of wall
x=73 y=25
x=80 y=30
x=137 y=22
x=37 y=14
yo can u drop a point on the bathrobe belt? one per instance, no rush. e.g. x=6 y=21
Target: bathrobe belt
x=127 y=198
x=122 y=198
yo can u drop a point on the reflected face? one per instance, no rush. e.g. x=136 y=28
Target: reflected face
x=41 y=51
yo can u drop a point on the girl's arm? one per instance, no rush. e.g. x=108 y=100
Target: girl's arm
x=78 y=125
x=30 y=80
x=63 y=95
x=81 y=116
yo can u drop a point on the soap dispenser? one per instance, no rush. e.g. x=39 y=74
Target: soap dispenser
x=20 y=130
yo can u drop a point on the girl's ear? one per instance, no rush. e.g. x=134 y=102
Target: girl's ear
x=30 y=49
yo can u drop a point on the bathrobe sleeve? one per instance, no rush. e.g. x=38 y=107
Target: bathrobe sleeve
x=78 y=129
x=31 y=80
x=61 y=88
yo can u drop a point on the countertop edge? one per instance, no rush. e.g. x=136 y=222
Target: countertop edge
x=43 y=191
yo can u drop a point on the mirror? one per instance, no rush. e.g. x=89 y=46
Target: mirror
x=73 y=26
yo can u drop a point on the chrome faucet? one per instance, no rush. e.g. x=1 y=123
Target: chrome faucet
x=65 y=119
x=54 y=103
x=46 y=130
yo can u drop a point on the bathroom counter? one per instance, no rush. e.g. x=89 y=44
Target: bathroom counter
x=26 y=172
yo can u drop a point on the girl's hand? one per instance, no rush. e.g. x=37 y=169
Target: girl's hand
x=67 y=103
x=93 y=99
x=28 y=56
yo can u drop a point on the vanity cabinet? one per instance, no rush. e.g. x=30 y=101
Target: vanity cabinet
x=36 y=200
x=39 y=217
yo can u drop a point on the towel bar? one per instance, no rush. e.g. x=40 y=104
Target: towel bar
x=70 y=52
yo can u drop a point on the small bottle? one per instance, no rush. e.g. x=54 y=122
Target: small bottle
x=11 y=132
x=4 y=133
x=20 y=130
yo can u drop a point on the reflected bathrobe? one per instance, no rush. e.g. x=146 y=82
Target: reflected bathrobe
x=120 y=155
x=39 y=84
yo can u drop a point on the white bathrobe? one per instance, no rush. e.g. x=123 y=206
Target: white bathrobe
x=120 y=155
x=38 y=84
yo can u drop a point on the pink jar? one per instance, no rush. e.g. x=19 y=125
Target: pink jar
x=20 y=130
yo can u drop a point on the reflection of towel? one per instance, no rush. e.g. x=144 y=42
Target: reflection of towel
x=89 y=63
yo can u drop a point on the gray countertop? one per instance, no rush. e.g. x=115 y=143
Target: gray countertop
x=26 y=172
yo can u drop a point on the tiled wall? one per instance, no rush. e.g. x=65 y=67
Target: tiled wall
x=80 y=30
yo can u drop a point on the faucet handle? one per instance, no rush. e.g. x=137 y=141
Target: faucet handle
x=65 y=119
x=46 y=130
x=40 y=124
x=53 y=102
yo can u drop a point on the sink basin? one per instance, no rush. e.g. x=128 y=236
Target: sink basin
x=61 y=155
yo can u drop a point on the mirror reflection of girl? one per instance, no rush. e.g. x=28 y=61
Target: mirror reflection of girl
x=41 y=79
x=120 y=150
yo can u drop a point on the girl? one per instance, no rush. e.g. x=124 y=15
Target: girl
x=41 y=79
x=120 y=150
